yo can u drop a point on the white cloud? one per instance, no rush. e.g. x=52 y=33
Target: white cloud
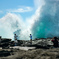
x=22 y=9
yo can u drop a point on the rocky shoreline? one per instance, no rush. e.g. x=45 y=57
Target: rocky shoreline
x=26 y=51
x=33 y=54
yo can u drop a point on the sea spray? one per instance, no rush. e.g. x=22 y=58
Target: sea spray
x=44 y=23
x=48 y=23
x=12 y=24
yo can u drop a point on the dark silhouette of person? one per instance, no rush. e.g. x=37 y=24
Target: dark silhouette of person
x=15 y=38
x=30 y=38
x=55 y=41
x=0 y=39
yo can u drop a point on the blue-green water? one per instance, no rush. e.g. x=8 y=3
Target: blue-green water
x=48 y=23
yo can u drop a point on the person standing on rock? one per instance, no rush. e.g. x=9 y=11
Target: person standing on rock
x=55 y=41
x=0 y=39
x=15 y=39
x=30 y=38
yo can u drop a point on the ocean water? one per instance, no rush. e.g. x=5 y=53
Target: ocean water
x=48 y=23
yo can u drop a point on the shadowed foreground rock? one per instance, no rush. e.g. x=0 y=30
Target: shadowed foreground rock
x=34 y=54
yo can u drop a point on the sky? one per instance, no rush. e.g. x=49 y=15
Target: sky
x=25 y=8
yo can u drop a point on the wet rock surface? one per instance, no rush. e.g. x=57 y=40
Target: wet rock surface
x=33 y=54
x=5 y=52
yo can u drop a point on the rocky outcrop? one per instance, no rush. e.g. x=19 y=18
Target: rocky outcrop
x=5 y=42
x=34 y=54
